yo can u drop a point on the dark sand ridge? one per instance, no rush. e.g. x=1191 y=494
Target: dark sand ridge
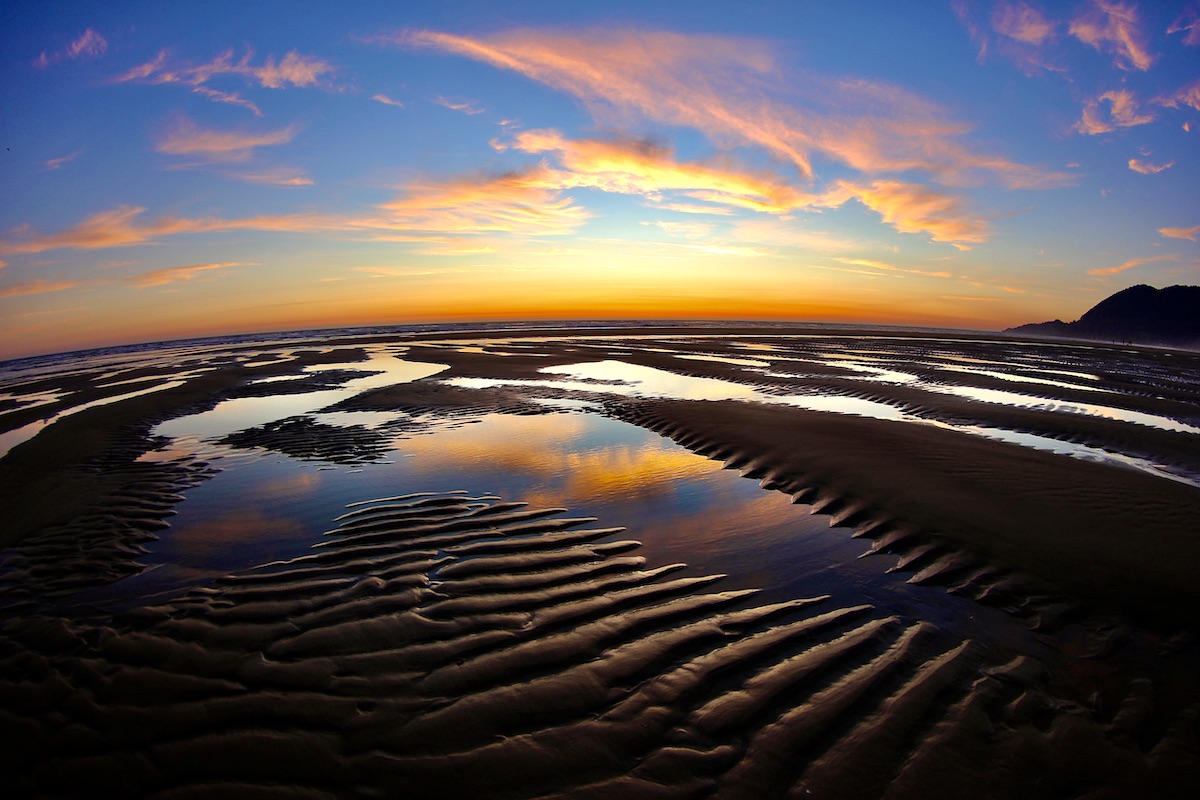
x=1104 y=532
x=451 y=646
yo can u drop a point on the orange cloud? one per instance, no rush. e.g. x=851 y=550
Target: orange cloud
x=911 y=208
x=283 y=176
x=88 y=45
x=1114 y=27
x=1188 y=95
x=1181 y=233
x=640 y=167
x=121 y=227
x=1188 y=23
x=187 y=139
x=387 y=101
x=36 y=287
x=292 y=70
x=733 y=91
x=527 y=202
x=1021 y=33
x=1146 y=168
x=881 y=265
x=1022 y=22
x=465 y=106
x=162 y=277
x=1130 y=264
x=56 y=163
x=1122 y=113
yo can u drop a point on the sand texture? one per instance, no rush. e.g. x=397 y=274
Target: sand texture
x=440 y=637
x=1018 y=622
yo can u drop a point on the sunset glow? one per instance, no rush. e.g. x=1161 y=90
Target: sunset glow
x=173 y=170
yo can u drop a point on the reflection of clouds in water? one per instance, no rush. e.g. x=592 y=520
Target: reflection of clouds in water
x=578 y=454
x=214 y=537
x=286 y=487
x=230 y=416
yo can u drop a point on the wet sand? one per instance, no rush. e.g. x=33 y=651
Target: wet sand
x=463 y=645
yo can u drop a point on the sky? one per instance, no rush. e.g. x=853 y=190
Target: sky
x=185 y=169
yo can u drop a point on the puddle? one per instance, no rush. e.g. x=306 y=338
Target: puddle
x=682 y=507
x=632 y=380
x=1014 y=378
x=240 y=413
x=1000 y=397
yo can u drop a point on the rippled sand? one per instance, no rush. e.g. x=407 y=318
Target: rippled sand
x=1023 y=624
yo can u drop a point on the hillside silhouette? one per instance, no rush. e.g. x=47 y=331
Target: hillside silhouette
x=1140 y=314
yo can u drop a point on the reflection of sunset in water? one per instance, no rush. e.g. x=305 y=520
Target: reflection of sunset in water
x=576 y=454
x=683 y=507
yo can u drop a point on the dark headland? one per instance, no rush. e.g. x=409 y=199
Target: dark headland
x=1140 y=314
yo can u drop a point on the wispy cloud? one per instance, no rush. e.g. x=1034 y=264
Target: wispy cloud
x=1016 y=30
x=89 y=44
x=891 y=268
x=529 y=202
x=36 y=287
x=886 y=267
x=57 y=163
x=293 y=70
x=163 y=277
x=123 y=227
x=1181 y=233
x=465 y=106
x=1022 y=22
x=1130 y=264
x=912 y=208
x=641 y=167
x=281 y=176
x=688 y=230
x=1112 y=26
x=733 y=91
x=1188 y=23
x=1188 y=95
x=186 y=138
x=1146 y=168
x=387 y=101
x=1122 y=112
x=691 y=208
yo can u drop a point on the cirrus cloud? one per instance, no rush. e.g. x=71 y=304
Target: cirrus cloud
x=293 y=70
x=1146 y=168
x=734 y=92
x=89 y=44
x=162 y=277
x=1181 y=233
x=912 y=208
x=1131 y=263
x=186 y=138
x=36 y=287
x=1122 y=112
x=642 y=167
x=123 y=227
x=1112 y=26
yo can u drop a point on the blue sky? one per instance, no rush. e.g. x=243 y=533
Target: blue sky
x=176 y=169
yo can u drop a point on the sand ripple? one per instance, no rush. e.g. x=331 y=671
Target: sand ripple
x=460 y=646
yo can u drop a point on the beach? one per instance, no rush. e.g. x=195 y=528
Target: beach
x=708 y=561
